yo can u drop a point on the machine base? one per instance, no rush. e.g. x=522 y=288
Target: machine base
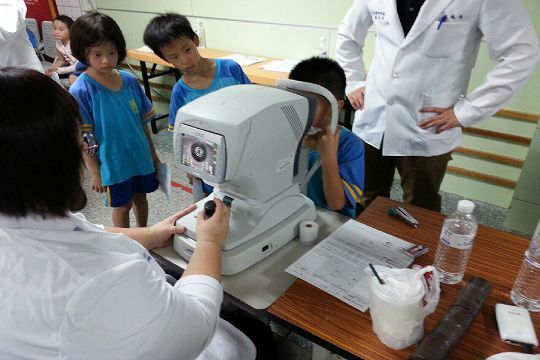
x=241 y=257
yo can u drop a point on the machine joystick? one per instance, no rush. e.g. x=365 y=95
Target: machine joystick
x=209 y=208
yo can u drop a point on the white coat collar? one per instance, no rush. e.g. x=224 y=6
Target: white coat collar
x=71 y=222
x=430 y=12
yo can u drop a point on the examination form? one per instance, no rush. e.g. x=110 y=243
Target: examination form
x=336 y=265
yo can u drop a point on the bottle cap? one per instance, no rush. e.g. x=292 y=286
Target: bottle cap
x=465 y=206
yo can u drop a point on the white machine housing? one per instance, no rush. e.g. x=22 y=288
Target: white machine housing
x=246 y=140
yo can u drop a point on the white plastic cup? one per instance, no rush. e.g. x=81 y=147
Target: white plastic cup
x=396 y=308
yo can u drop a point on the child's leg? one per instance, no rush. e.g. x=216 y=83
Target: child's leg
x=120 y=215
x=142 y=185
x=140 y=208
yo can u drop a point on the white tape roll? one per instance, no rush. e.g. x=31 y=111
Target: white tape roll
x=308 y=232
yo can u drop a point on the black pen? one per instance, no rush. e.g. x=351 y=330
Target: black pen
x=400 y=215
x=406 y=213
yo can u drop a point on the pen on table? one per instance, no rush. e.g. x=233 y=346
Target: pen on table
x=381 y=281
x=402 y=216
x=407 y=214
x=441 y=21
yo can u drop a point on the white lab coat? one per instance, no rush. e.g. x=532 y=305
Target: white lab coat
x=431 y=66
x=69 y=290
x=15 y=47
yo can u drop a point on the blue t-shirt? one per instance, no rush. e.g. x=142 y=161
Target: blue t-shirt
x=350 y=157
x=227 y=73
x=117 y=119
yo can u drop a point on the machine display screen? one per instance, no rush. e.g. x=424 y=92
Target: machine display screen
x=199 y=154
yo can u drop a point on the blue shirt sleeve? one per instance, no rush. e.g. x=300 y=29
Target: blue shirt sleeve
x=177 y=101
x=351 y=167
x=239 y=74
x=83 y=94
x=147 y=110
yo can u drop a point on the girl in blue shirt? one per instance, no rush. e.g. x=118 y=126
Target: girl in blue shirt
x=114 y=113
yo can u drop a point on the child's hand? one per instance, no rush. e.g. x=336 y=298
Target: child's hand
x=96 y=185
x=328 y=144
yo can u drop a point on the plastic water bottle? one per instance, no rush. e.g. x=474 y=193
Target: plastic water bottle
x=199 y=30
x=526 y=290
x=455 y=245
x=323 y=47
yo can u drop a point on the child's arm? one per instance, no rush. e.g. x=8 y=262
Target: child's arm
x=93 y=166
x=332 y=186
x=58 y=62
x=146 y=119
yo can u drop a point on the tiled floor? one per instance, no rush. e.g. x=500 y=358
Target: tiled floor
x=291 y=345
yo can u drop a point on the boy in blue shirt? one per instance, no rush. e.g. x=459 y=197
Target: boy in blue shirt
x=338 y=184
x=172 y=38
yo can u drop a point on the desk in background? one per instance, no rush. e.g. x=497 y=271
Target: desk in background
x=340 y=328
x=253 y=72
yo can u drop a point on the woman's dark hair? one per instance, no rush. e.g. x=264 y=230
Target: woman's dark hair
x=164 y=29
x=65 y=19
x=93 y=29
x=40 y=146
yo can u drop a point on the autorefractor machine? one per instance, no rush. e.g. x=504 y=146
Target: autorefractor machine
x=247 y=141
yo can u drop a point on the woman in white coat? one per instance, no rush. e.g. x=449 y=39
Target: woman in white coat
x=414 y=101
x=70 y=289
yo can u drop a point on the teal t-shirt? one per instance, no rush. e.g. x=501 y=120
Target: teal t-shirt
x=117 y=120
x=228 y=73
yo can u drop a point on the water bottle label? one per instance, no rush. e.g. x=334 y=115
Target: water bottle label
x=457 y=241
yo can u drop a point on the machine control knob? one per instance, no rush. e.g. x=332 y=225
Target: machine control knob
x=209 y=208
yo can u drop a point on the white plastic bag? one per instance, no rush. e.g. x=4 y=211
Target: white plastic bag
x=398 y=307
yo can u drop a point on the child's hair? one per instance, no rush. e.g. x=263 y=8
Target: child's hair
x=39 y=141
x=164 y=29
x=321 y=71
x=65 y=19
x=93 y=29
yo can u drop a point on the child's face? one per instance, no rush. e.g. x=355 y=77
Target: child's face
x=60 y=31
x=183 y=54
x=103 y=58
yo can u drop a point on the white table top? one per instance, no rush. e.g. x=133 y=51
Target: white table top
x=261 y=284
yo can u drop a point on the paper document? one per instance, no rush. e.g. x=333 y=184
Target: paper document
x=244 y=60
x=336 y=265
x=145 y=49
x=280 y=65
x=164 y=179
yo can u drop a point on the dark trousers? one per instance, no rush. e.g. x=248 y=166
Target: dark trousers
x=421 y=177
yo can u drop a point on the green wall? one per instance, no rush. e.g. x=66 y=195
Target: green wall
x=293 y=29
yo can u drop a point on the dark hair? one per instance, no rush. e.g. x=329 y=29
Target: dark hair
x=164 y=29
x=321 y=71
x=93 y=29
x=65 y=19
x=40 y=145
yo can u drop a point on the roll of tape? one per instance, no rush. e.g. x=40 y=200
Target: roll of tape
x=308 y=232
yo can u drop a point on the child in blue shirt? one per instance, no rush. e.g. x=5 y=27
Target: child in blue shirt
x=172 y=38
x=114 y=112
x=338 y=184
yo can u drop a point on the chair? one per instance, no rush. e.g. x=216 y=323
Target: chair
x=49 y=41
x=32 y=30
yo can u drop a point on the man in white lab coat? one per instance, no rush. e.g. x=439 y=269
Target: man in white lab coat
x=414 y=101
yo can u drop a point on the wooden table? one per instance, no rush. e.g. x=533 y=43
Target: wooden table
x=253 y=72
x=320 y=317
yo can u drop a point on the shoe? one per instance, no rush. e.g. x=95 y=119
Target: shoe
x=170 y=128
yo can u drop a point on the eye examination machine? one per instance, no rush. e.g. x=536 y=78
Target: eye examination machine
x=247 y=141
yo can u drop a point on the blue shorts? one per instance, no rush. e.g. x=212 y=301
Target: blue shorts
x=121 y=194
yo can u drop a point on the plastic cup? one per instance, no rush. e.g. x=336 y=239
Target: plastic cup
x=396 y=308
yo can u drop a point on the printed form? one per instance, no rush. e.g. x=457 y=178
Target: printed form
x=336 y=265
